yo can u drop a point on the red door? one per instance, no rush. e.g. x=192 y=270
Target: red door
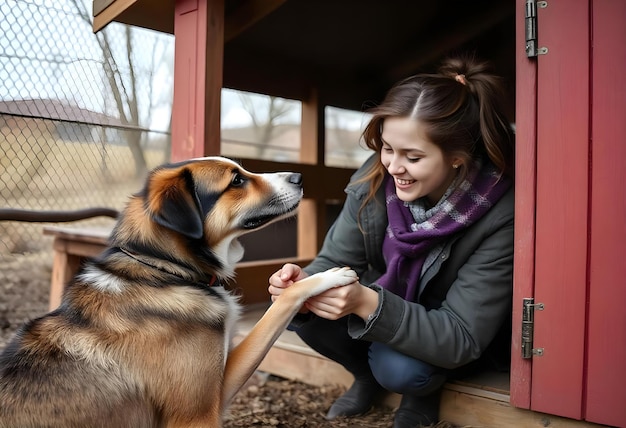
x=571 y=212
x=605 y=399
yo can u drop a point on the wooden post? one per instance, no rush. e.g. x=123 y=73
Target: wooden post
x=198 y=73
x=311 y=215
x=64 y=266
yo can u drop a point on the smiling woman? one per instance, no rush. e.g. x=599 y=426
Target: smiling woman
x=419 y=167
x=428 y=227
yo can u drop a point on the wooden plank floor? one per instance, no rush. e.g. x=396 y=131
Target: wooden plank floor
x=482 y=401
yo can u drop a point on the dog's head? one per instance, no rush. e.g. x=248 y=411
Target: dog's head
x=203 y=205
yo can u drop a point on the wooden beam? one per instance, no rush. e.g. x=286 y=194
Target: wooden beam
x=308 y=242
x=99 y=5
x=155 y=15
x=311 y=152
x=312 y=136
x=107 y=11
x=160 y=15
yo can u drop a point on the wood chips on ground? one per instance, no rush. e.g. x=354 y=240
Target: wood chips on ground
x=269 y=401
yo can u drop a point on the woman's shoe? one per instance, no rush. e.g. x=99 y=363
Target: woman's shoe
x=357 y=400
x=415 y=412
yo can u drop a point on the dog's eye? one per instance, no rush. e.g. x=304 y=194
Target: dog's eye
x=238 y=180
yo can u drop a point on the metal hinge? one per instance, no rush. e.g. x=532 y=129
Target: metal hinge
x=530 y=19
x=528 y=328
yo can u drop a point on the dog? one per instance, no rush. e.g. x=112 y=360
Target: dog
x=142 y=337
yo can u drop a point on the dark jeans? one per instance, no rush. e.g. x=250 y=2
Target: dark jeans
x=393 y=370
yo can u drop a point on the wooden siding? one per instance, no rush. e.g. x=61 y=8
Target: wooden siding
x=525 y=170
x=606 y=347
x=562 y=203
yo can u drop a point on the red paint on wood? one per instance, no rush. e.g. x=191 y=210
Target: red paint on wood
x=198 y=68
x=606 y=352
x=525 y=140
x=562 y=202
x=185 y=69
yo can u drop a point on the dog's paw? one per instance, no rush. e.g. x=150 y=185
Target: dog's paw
x=334 y=277
x=340 y=276
x=322 y=281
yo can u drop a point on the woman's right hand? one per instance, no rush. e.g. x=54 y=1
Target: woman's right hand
x=283 y=278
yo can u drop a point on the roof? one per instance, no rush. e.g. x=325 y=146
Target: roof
x=352 y=51
x=56 y=110
x=46 y=108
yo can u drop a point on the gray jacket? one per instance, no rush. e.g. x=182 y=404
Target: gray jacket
x=465 y=296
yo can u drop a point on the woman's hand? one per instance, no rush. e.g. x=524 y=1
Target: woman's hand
x=341 y=301
x=331 y=304
x=283 y=278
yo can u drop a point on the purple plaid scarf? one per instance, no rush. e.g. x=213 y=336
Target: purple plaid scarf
x=414 y=230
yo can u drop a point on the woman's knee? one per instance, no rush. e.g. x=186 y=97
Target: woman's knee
x=322 y=332
x=400 y=373
x=331 y=339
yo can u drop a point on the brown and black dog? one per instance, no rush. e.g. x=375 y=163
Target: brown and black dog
x=142 y=336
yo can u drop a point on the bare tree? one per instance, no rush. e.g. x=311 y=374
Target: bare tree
x=343 y=141
x=162 y=58
x=264 y=121
x=124 y=90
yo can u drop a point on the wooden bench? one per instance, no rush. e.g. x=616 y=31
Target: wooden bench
x=71 y=245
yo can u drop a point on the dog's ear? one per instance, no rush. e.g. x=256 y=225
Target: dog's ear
x=174 y=204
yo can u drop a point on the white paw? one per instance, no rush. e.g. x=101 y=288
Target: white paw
x=334 y=277
x=340 y=276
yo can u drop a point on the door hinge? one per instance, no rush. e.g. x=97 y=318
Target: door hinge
x=528 y=328
x=530 y=18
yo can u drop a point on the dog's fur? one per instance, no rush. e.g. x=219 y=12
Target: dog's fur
x=142 y=336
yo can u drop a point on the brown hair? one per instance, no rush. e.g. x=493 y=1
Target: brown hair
x=461 y=109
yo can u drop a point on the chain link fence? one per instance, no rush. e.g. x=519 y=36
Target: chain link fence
x=83 y=117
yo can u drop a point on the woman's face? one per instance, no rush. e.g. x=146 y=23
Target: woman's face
x=418 y=166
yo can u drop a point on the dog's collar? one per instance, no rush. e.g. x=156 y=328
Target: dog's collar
x=212 y=282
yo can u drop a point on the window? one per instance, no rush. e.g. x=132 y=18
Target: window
x=344 y=146
x=259 y=126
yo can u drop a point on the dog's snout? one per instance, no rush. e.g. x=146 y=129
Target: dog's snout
x=295 y=178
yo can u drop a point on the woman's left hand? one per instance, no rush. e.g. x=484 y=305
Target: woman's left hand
x=341 y=301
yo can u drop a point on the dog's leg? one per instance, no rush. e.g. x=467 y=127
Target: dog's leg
x=244 y=359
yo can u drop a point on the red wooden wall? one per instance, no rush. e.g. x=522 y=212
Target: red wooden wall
x=571 y=134
x=562 y=204
x=606 y=346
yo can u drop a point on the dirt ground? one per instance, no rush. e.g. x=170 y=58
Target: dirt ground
x=24 y=288
x=265 y=401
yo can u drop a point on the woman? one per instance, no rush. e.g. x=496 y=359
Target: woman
x=428 y=226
